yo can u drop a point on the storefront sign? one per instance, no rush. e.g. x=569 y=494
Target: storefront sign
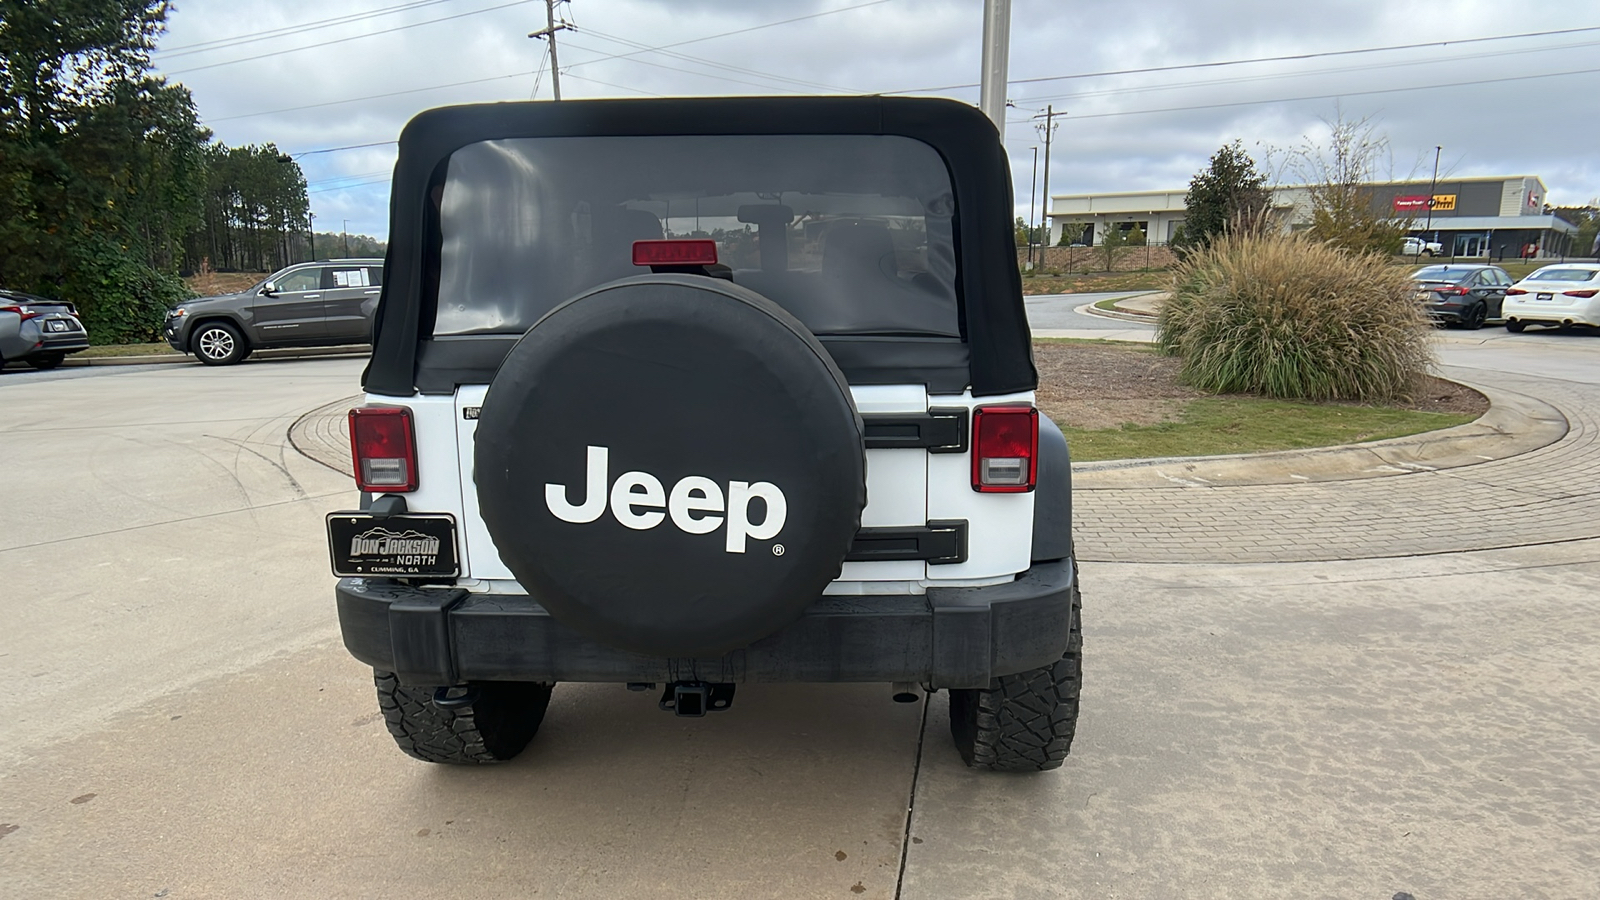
x=1415 y=203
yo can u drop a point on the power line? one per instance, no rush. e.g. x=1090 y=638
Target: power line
x=609 y=84
x=337 y=149
x=1258 y=59
x=324 y=181
x=700 y=60
x=437 y=87
x=368 y=34
x=570 y=67
x=1274 y=76
x=248 y=37
x=712 y=37
x=645 y=62
x=1332 y=96
x=347 y=187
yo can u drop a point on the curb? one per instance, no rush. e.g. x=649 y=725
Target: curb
x=171 y=359
x=1091 y=309
x=1514 y=424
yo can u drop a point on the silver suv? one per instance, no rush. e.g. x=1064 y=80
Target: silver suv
x=321 y=303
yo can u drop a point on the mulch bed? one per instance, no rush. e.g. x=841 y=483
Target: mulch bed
x=1105 y=386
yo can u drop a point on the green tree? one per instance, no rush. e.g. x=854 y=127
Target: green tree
x=1229 y=194
x=1113 y=243
x=1587 y=218
x=1339 y=178
x=254 y=210
x=98 y=161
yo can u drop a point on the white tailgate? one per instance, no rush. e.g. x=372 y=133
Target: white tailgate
x=897 y=481
x=904 y=488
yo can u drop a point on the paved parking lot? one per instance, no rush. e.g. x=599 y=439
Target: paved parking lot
x=181 y=720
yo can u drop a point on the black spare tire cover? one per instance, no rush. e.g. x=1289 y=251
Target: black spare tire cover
x=671 y=465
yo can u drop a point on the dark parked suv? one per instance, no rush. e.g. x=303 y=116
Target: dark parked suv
x=688 y=394
x=321 y=303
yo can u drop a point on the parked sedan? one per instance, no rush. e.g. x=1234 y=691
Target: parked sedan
x=1559 y=296
x=1465 y=294
x=38 y=331
x=322 y=303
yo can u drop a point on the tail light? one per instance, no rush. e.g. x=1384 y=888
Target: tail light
x=1586 y=293
x=24 y=312
x=1512 y=292
x=385 y=449
x=1005 y=449
x=1457 y=291
x=696 y=252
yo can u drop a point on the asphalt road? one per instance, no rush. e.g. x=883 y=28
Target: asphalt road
x=181 y=720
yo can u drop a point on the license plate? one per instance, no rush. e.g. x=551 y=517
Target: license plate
x=57 y=325
x=1544 y=296
x=420 y=545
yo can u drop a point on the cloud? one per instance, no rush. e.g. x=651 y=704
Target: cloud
x=1108 y=140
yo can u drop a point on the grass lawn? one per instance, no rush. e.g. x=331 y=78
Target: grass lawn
x=161 y=349
x=1212 y=426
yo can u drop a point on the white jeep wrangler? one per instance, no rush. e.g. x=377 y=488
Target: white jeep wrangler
x=680 y=394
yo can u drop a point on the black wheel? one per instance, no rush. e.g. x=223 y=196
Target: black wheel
x=46 y=360
x=1023 y=722
x=1474 y=317
x=218 y=344
x=1516 y=327
x=492 y=728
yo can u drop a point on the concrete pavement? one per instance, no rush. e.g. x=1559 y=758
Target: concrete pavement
x=181 y=720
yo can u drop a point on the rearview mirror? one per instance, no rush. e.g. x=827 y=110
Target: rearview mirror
x=269 y=289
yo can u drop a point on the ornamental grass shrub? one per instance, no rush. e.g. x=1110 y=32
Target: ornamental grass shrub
x=1288 y=317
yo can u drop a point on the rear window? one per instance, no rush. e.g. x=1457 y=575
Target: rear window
x=853 y=234
x=1562 y=275
x=1440 y=273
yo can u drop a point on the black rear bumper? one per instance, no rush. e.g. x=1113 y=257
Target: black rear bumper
x=948 y=638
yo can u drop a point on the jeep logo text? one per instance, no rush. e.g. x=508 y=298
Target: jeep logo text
x=636 y=499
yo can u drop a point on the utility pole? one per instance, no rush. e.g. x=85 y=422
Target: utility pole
x=996 y=61
x=1433 y=187
x=1033 y=185
x=549 y=32
x=346 y=232
x=311 y=229
x=1048 y=129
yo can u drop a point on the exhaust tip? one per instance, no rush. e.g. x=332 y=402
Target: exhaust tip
x=904 y=692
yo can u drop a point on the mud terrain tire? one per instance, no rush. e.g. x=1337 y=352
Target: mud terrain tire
x=494 y=728
x=1023 y=722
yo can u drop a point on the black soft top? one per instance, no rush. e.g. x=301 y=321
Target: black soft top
x=995 y=358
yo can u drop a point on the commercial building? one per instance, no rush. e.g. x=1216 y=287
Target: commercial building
x=1496 y=217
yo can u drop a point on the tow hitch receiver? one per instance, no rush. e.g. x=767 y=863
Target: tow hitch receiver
x=696 y=698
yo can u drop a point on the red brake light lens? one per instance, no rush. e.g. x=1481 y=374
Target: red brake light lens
x=696 y=252
x=1459 y=291
x=385 y=449
x=22 y=311
x=1512 y=292
x=1005 y=449
x=1586 y=293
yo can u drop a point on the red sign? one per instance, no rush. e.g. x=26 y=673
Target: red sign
x=1413 y=203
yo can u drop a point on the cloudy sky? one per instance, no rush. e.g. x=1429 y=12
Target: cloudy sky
x=1515 y=91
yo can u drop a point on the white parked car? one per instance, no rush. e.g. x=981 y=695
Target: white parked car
x=1559 y=296
x=1415 y=246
